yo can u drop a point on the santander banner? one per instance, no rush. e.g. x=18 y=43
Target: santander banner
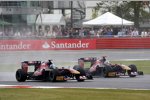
x=47 y=44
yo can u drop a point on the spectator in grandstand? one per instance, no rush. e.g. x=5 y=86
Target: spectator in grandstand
x=135 y=33
x=54 y=32
x=70 y=33
x=11 y=31
x=28 y=32
x=92 y=33
x=40 y=31
x=109 y=32
x=81 y=32
x=86 y=32
x=99 y=32
x=144 y=33
x=104 y=32
x=59 y=32
x=120 y=33
x=148 y=32
x=63 y=30
x=115 y=31
x=47 y=30
x=129 y=31
x=17 y=33
x=67 y=32
x=1 y=32
x=22 y=31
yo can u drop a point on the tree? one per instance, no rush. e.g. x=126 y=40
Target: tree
x=103 y=6
x=131 y=10
x=137 y=11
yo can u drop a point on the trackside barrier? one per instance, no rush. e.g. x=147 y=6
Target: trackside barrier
x=47 y=44
x=123 y=43
x=75 y=44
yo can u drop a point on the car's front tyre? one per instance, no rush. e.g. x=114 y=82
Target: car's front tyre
x=21 y=76
x=133 y=71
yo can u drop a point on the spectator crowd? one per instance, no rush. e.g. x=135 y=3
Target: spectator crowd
x=65 y=32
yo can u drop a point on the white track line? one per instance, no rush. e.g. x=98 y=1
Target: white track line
x=48 y=87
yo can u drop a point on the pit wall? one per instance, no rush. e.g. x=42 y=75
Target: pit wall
x=75 y=44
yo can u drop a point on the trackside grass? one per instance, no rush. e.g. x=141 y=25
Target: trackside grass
x=73 y=94
x=142 y=65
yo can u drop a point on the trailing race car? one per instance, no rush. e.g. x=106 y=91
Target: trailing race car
x=47 y=71
x=104 y=68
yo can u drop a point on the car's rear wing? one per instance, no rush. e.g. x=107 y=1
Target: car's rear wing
x=29 y=63
x=88 y=59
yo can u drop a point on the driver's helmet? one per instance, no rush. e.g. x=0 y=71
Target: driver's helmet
x=103 y=59
x=52 y=66
x=107 y=63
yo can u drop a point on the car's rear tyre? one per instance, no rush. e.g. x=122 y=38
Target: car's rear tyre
x=44 y=78
x=80 y=69
x=78 y=78
x=140 y=73
x=82 y=73
x=21 y=76
x=89 y=76
x=133 y=69
x=52 y=75
x=106 y=70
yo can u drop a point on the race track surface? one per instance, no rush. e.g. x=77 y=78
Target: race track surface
x=14 y=58
x=139 y=82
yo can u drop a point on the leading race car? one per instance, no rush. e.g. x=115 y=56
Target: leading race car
x=101 y=67
x=47 y=71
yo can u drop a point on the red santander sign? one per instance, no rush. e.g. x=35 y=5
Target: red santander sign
x=48 y=44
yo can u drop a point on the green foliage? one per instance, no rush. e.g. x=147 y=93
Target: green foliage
x=73 y=94
x=94 y=13
x=130 y=10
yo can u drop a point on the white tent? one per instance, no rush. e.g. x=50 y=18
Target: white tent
x=50 y=19
x=108 y=19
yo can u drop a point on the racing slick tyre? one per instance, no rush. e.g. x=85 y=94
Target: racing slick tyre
x=89 y=76
x=52 y=75
x=44 y=78
x=133 y=69
x=21 y=76
x=82 y=73
x=140 y=73
x=106 y=70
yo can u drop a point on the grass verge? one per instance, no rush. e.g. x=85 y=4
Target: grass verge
x=142 y=65
x=73 y=94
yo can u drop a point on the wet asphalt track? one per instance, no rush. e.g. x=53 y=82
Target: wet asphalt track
x=140 y=82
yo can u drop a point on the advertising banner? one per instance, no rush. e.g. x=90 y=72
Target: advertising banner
x=123 y=43
x=48 y=44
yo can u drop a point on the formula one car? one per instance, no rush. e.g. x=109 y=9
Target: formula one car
x=100 y=66
x=47 y=71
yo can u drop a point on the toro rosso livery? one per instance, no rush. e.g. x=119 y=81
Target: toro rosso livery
x=100 y=66
x=47 y=71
